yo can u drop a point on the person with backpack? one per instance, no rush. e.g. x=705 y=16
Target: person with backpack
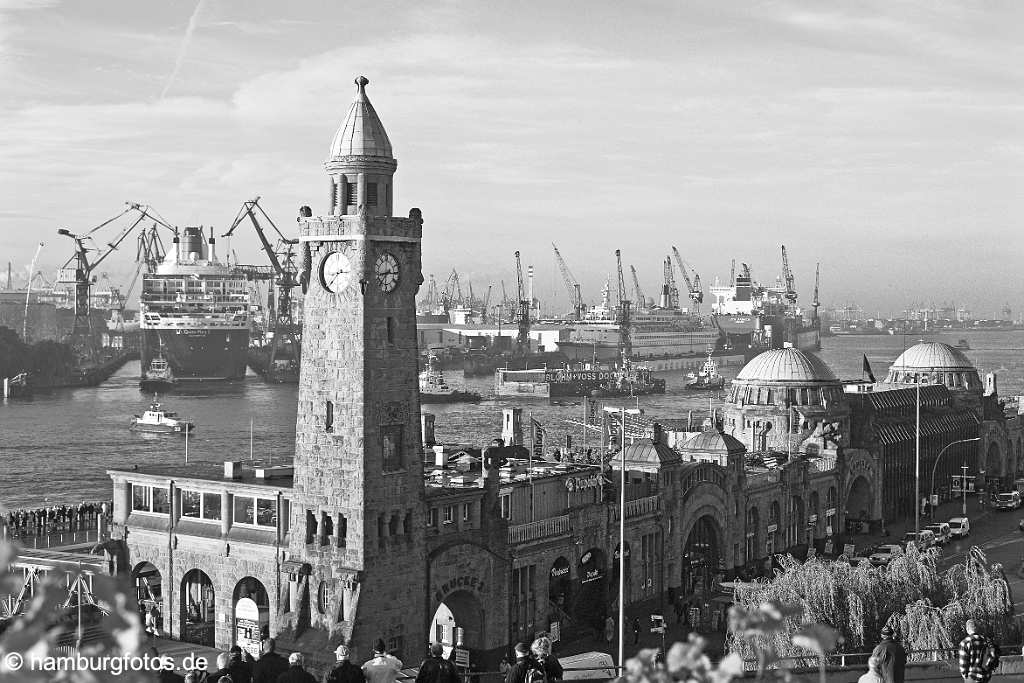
x=892 y=657
x=437 y=669
x=979 y=656
x=547 y=668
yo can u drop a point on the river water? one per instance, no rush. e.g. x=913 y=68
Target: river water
x=58 y=447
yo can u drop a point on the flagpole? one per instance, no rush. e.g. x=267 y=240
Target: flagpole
x=622 y=544
x=251 y=450
x=917 y=463
x=533 y=428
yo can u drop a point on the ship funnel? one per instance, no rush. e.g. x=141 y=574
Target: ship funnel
x=212 y=258
x=192 y=246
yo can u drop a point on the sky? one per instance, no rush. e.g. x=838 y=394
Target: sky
x=882 y=139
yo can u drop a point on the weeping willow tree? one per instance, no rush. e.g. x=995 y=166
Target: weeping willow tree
x=926 y=608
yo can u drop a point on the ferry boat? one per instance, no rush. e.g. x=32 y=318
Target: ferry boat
x=194 y=311
x=157 y=420
x=434 y=388
x=627 y=379
x=707 y=379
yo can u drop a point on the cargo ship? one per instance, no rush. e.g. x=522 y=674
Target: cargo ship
x=194 y=312
x=595 y=382
x=755 y=318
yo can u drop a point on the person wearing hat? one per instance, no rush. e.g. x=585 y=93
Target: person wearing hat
x=296 y=673
x=437 y=669
x=383 y=668
x=517 y=674
x=345 y=671
x=892 y=657
x=270 y=665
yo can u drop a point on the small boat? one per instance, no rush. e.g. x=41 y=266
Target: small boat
x=963 y=345
x=708 y=378
x=19 y=386
x=434 y=389
x=158 y=420
x=158 y=377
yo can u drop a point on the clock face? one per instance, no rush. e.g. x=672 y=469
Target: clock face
x=335 y=272
x=386 y=271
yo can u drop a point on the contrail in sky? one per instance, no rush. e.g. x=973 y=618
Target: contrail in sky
x=186 y=39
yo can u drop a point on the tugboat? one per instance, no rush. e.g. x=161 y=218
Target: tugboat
x=158 y=377
x=433 y=388
x=707 y=379
x=158 y=420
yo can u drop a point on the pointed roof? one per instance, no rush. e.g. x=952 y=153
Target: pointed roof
x=362 y=134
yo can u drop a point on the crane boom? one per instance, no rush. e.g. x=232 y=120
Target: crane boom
x=693 y=287
x=641 y=298
x=815 y=303
x=572 y=285
x=523 y=312
x=625 y=341
x=787 y=276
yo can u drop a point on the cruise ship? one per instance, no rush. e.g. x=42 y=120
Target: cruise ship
x=194 y=312
x=655 y=333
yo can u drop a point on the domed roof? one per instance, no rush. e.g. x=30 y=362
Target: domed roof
x=645 y=451
x=932 y=356
x=789 y=365
x=362 y=134
x=713 y=441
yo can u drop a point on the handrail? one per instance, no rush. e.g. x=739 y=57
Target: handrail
x=521 y=533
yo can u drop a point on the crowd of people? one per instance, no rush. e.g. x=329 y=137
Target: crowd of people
x=55 y=518
x=977 y=657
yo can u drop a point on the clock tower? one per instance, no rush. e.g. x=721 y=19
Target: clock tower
x=356 y=569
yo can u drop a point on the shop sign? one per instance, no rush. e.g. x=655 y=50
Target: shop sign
x=559 y=571
x=592 y=575
x=616 y=554
x=849 y=549
x=812 y=519
x=828 y=547
x=772 y=528
x=581 y=483
x=831 y=512
x=471 y=582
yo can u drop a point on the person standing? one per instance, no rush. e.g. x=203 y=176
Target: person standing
x=892 y=657
x=545 y=660
x=874 y=674
x=382 y=668
x=296 y=673
x=636 y=630
x=437 y=669
x=345 y=671
x=978 y=655
x=517 y=673
x=270 y=665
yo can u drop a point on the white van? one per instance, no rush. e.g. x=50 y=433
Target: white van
x=597 y=664
x=960 y=527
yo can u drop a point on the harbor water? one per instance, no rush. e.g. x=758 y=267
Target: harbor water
x=57 y=447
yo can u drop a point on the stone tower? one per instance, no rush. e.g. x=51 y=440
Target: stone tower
x=355 y=570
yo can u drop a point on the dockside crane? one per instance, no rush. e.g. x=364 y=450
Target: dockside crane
x=287 y=341
x=669 y=291
x=641 y=298
x=624 y=317
x=693 y=287
x=815 y=302
x=572 y=285
x=485 y=311
x=787 y=277
x=522 y=312
x=78 y=270
x=732 y=273
x=451 y=297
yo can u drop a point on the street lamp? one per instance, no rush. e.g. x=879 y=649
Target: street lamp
x=935 y=466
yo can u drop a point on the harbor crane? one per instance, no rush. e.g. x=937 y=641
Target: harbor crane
x=693 y=287
x=787 y=276
x=572 y=285
x=484 y=311
x=430 y=300
x=732 y=272
x=78 y=270
x=669 y=291
x=641 y=298
x=815 y=302
x=451 y=296
x=286 y=343
x=522 y=312
x=624 y=317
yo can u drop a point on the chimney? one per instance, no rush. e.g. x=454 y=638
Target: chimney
x=991 y=388
x=529 y=280
x=232 y=469
x=427 y=429
x=177 y=247
x=212 y=255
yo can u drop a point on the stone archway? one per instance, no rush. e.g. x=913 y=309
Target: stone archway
x=702 y=556
x=560 y=586
x=198 y=609
x=459 y=617
x=590 y=606
x=251 y=606
x=859 y=499
x=993 y=461
x=149 y=591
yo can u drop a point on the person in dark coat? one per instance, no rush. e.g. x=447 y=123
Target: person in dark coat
x=437 y=669
x=295 y=672
x=223 y=659
x=240 y=670
x=517 y=674
x=345 y=671
x=270 y=665
x=636 y=630
x=543 y=658
x=892 y=657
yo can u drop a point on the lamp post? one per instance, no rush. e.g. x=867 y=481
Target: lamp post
x=935 y=466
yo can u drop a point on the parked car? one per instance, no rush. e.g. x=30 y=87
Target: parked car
x=942 y=532
x=1007 y=501
x=883 y=554
x=960 y=527
x=924 y=539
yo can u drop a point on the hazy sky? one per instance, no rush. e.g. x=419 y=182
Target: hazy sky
x=884 y=139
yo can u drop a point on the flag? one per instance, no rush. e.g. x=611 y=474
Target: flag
x=867 y=368
x=537 y=435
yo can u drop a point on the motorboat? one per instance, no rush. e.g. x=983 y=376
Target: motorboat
x=159 y=420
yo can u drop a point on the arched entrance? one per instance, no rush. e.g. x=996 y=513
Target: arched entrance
x=198 y=608
x=753 y=548
x=149 y=591
x=251 y=614
x=459 y=619
x=993 y=467
x=590 y=606
x=858 y=505
x=559 y=593
x=813 y=515
x=702 y=553
x=796 y=522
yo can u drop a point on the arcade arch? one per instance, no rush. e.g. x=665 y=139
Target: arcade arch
x=251 y=606
x=149 y=591
x=459 y=620
x=590 y=606
x=198 y=608
x=859 y=499
x=702 y=555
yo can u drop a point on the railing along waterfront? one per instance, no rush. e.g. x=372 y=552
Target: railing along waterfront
x=531 y=531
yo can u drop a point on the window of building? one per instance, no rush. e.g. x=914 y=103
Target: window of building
x=350 y=194
x=323 y=598
x=150 y=499
x=395 y=646
x=391 y=448
x=465 y=512
x=390 y=326
x=212 y=503
x=191 y=504
x=342 y=531
x=257 y=511
x=310 y=527
x=393 y=525
x=371 y=194
x=432 y=517
x=380 y=530
x=329 y=417
x=407 y=523
x=506 y=506
x=449 y=514
x=326 y=528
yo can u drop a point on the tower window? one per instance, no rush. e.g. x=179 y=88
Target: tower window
x=310 y=526
x=371 y=194
x=342 y=531
x=391 y=448
x=380 y=530
x=350 y=194
x=329 y=417
x=390 y=325
x=326 y=528
x=407 y=524
x=393 y=525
